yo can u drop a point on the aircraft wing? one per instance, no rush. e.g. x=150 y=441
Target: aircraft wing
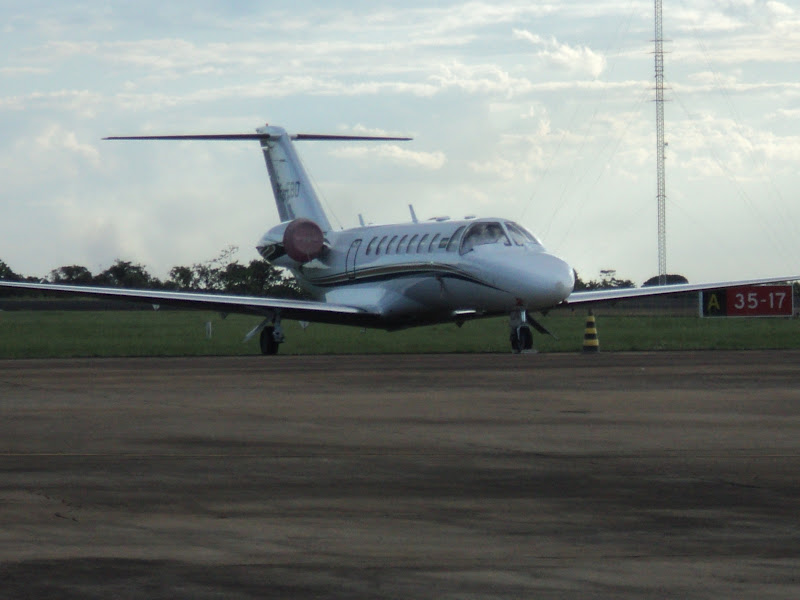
x=300 y=310
x=658 y=290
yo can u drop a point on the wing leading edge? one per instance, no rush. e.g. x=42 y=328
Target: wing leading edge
x=301 y=310
x=658 y=290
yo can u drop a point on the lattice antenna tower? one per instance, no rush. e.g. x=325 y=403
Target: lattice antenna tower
x=661 y=195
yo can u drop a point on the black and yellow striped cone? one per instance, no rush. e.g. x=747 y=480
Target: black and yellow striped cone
x=590 y=341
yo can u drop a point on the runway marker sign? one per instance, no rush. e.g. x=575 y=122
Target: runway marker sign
x=748 y=301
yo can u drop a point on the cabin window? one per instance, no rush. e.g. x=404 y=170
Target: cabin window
x=422 y=243
x=400 y=244
x=433 y=242
x=411 y=243
x=443 y=242
x=380 y=244
x=371 y=245
x=481 y=233
x=453 y=245
x=520 y=235
x=391 y=244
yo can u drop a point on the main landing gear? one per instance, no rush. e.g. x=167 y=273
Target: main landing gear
x=269 y=345
x=270 y=335
x=520 y=336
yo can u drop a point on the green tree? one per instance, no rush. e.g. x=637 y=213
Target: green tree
x=180 y=278
x=226 y=274
x=608 y=280
x=669 y=280
x=74 y=274
x=265 y=279
x=208 y=276
x=235 y=279
x=7 y=273
x=126 y=274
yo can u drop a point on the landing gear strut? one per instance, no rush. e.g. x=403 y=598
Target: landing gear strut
x=521 y=337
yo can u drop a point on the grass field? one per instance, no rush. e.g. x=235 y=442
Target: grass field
x=51 y=334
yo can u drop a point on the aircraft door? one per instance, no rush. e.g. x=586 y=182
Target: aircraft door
x=350 y=261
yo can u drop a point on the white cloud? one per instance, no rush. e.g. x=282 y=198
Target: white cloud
x=56 y=138
x=359 y=129
x=81 y=102
x=23 y=71
x=700 y=19
x=394 y=153
x=482 y=78
x=780 y=10
x=577 y=59
x=496 y=167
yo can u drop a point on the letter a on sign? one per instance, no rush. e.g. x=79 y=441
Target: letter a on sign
x=713 y=303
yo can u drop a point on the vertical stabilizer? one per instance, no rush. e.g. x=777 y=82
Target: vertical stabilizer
x=294 y=195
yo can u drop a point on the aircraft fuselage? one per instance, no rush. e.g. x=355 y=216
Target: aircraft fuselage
x=434 y=271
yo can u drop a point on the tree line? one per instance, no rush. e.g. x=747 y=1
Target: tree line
x=223 y=274
x=608 y=280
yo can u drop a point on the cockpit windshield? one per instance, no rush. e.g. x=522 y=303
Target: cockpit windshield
x=482 y=233
x=520 y=235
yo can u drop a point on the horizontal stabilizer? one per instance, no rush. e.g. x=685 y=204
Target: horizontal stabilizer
x=314 y=136
x=260 y=136
x=294 y=194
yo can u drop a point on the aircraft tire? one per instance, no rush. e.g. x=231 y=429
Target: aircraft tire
x=525 y=338
x=516 y=347
x=521 y=339
x=267 y=341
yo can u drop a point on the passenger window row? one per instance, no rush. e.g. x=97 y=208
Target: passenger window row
x=415 y=244
x=480 y=233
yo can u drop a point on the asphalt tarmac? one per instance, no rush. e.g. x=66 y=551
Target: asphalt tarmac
x=650 y=475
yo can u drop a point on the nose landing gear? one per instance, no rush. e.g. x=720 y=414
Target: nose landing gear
x=521 y=339
x=520 y=334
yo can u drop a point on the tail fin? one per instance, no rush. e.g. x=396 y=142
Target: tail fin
x=294 y=194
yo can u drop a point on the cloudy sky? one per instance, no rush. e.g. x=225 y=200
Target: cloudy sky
x=540 y=112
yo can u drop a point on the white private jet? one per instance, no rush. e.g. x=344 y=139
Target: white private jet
x=388 y=276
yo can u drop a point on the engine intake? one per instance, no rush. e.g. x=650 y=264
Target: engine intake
x=303 y=240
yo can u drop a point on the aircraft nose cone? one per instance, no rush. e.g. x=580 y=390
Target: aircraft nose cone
x=558 y=276
x=547 y=280
x=564 y=279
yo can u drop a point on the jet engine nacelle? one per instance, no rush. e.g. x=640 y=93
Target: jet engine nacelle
x=303 y=240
